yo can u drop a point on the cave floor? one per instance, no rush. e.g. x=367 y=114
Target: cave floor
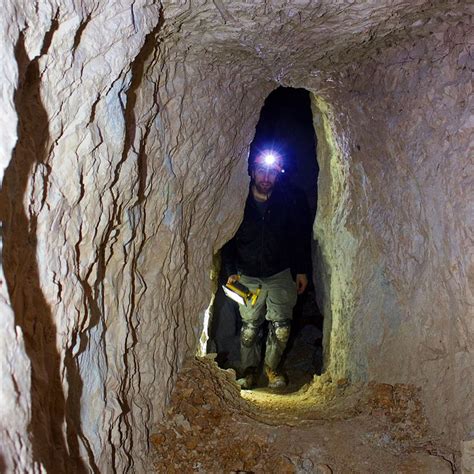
x=324 y=427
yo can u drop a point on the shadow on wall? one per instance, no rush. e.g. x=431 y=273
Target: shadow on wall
x=50 y=409
x=322 y=282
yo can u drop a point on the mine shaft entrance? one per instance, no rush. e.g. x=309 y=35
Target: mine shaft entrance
x=285 y=127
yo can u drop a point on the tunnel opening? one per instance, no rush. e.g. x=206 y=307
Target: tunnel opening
x=285 y=127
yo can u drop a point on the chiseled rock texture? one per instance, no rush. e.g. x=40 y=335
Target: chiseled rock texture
x=125 y=129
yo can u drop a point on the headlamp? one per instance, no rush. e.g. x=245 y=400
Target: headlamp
x=270 y=159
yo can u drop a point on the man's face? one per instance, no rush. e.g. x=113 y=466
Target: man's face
x=264 y=178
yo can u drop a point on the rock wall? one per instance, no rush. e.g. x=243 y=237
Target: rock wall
x=395 y=217
x=15 y=367
x=110 y=227
x=124 y=143
x=71 y=240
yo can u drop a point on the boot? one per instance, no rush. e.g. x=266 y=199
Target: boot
x=248 y=381
x=275 y=379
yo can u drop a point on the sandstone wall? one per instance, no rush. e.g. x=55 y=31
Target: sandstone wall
x=69 y=199
x=395 y=220
x=15 y=399
x=111 y=223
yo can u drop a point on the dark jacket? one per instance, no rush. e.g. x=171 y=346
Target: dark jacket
x=268 y=243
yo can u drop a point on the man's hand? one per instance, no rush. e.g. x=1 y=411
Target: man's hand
x=233 y=278
x=301 y=283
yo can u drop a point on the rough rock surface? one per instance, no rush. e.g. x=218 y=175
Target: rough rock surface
x=467 y=455
x=125 y=128
x=329 y=428
x=71 y=239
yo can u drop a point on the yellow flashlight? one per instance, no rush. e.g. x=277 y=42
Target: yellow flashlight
x=241 y=294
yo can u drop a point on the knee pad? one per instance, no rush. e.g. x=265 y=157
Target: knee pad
x=248 y=335
x=282 y=331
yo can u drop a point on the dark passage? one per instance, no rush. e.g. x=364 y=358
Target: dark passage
x=285 y=126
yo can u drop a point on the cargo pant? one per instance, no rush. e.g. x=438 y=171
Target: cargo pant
x=275 y=304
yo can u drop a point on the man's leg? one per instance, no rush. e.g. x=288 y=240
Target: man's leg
x=250 y=344
x=280 y=302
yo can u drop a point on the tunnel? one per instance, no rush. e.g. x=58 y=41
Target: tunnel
x=126 y=130
x=284 y=129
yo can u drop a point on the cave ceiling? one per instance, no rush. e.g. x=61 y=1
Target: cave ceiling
x=272 y=37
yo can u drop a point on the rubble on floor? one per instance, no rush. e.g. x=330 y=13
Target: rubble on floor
x=326 y=427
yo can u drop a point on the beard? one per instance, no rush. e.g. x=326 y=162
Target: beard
x=264 y=187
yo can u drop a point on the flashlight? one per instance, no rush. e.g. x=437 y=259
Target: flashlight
x=241 y=294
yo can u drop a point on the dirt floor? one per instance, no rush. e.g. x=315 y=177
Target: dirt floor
x=325 y=427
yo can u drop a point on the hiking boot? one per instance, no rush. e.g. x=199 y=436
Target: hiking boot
x=247 y=382
x=275 y=379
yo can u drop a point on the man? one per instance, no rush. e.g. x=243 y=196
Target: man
x=272 y=241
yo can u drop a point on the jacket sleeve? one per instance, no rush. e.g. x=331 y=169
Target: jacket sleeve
x=229 y=258
x=301 y=224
